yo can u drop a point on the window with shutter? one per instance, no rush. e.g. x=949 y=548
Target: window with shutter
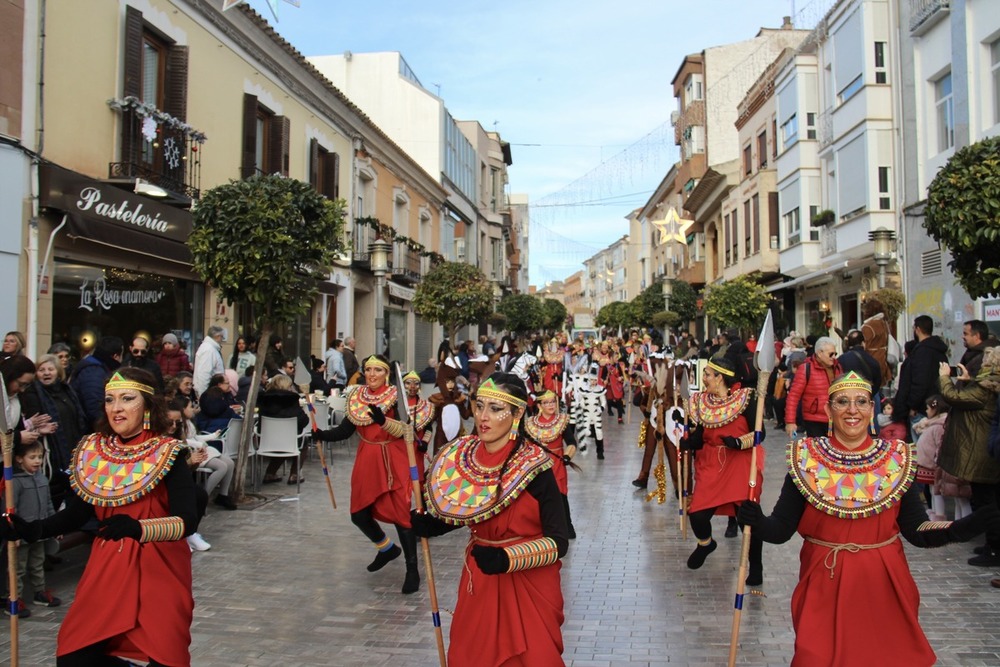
x=277 y=150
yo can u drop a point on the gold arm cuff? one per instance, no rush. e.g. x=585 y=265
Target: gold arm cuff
x=394 y=427
x=934 y=525
x=746 y=440
x=529 y=555
x=166 y=529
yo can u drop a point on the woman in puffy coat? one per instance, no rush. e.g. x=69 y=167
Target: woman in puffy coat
x=809 y=389
x=964 y=452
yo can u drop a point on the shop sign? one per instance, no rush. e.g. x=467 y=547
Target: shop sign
x=991 y=310
x=97 y=294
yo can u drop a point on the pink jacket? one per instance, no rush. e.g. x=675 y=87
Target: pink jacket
x=931 y=430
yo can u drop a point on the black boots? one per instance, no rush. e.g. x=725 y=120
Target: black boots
x=600 y=450
x=698 y=556
x=732 y=529
x=407 y=538
x=382 y=558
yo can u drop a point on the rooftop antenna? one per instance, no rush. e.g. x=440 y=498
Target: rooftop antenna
x=438 y=86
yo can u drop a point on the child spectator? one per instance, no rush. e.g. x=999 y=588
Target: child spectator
x=888 y=429
x=33 y=502
x=930 y=432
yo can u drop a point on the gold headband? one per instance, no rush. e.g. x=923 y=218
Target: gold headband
x=850 y=380
x=547 y=395
x=489 y=389
x=375 y=361
x=720 y=369
x=411 y=375
x=119 y=382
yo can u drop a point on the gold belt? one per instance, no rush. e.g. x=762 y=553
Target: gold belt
x=835 y=548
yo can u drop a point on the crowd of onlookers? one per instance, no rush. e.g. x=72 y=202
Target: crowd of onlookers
x=54 y=401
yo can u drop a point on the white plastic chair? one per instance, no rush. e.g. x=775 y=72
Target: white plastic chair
x=337 y=406
x=231 y=439
x=279 y=437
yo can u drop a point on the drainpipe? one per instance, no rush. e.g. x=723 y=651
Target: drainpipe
x=31 y=327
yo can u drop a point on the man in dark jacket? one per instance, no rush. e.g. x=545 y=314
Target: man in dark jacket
x=138 y=357
x=351 y=365
x=856 y=358
x=918 y=378
x=90 y=375
x=975 y=334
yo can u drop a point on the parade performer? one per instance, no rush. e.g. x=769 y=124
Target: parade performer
x=380 y=480
x=553 y=369
x=134 y=599
x=499 y=484
x=723 y=415
x=611 y=378
x=589 y=403
x=451 y=406
x=554 y=431
x=851 y=552
x=422 y=414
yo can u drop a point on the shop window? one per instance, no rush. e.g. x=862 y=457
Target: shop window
x=266 y=139
x=89 y=302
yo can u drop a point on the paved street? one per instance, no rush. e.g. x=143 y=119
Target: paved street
x=285 y=584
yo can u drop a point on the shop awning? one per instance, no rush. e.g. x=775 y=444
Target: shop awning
x=107 y=215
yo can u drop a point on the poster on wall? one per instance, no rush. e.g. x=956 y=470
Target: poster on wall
x=991 y=315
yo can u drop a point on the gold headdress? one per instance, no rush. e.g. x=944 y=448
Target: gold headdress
x=720 y=369
x=489 y=389
x=118 y=381
x=546 y=395
x=375 y=361
x=849 y=380
x=411 y=375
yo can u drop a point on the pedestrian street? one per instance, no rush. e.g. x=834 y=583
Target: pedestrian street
x=285 y=583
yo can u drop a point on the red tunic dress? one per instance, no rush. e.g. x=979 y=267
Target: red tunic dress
x=722 y=475
x=508 y=620
x=549 y=433
x=422 y=413
x=381 y=475
x=137 y=596
x=871 y=592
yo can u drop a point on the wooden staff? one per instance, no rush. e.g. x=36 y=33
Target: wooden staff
x=7 y=439
x=404 y=416
x=765 y=364
x=322 y=456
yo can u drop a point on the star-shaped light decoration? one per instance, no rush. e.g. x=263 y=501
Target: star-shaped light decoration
x=273 y=4
x=670 y=227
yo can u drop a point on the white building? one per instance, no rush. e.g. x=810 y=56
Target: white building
x=950 y=62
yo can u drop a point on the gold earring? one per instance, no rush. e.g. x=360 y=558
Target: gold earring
x=145 y=420
x=829 y=427
x=515 y=425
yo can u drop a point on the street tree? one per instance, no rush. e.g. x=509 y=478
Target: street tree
x=555 y=315
x=649 y=302
x=963 y=214
x=524 y=313
x=741 y=302
x=684 y=302
x=454 y=294
x=614 y=315
x=267 y=242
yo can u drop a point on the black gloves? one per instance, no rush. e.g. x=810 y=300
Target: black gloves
x=750 y=514
x=491 y=560
x=421 y=446
x=730 y=442
x=985 y=519
x=569 y=435
x=566 y=459
x=118 y=527
x=694 y=441
x=16 y=528
x=425 y=525
x=377 y=415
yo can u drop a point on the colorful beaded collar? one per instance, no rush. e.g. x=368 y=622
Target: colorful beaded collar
x=106 y=473
x=424 y=413
x=546 y=433
x=461 y=492
x=852 y=485
x=714 y=412
x=360 y=399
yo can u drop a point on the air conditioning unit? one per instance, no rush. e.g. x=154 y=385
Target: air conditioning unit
x=460 y=249
x=674 y=117
x=774 y=243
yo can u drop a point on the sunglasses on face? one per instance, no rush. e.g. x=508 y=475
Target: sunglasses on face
x=136 y=352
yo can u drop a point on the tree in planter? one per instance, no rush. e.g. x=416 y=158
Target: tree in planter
x=454 y=294
x=614 y=315
x=963 y=214
x=524 y=313
x=740 y=302
x=266 y=241
x=555 y=315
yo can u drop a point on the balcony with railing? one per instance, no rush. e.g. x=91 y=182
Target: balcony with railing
x=926 y=13
x=825 y=128
x=404 y=266
x=159 y=149
x=361 y=241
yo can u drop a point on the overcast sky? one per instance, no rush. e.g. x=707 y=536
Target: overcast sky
x=580 y=88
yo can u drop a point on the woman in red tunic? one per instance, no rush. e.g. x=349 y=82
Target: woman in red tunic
x=722 y=440
x=422 y=414
x=554 y=432
x=380 y=480
x=134 y=599
x=500 y=485
x=856 y=602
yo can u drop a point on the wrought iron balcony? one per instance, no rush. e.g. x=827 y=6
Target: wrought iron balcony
x=361 y=244
x=158 y=149
x=404 y=265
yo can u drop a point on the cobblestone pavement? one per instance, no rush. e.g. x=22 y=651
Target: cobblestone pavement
x=285 y=584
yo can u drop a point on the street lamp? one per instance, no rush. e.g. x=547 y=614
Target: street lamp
x=497 y=294
x=668 y=289
x=883 y=239
x=379 y=249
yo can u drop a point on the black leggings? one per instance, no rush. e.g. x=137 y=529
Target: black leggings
x=94 y=656
x=701 y=526
x=367 y=524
